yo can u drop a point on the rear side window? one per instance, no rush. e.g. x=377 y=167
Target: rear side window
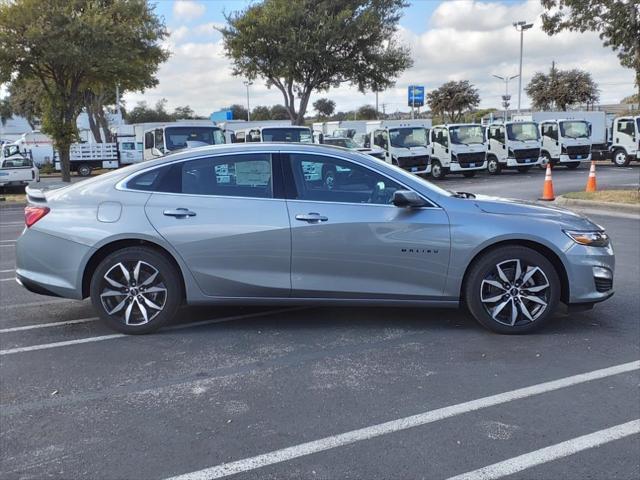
x=247 y=175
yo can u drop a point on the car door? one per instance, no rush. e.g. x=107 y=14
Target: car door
x=349 y=241
x=221 y=215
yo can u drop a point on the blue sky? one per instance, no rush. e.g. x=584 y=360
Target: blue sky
x=450 y=40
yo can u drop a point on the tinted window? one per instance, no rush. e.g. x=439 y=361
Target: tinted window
x=148 y=140
x=329 y=179
x=550 y=130
x=147 y=181
x=177 y=137
x=302 y=135
x=17 y=163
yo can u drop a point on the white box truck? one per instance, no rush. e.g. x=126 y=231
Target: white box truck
x=291 y=133
x=457 y=148
x=405 y=143
x=170 y=137
x=625 y=140
x=512 y=145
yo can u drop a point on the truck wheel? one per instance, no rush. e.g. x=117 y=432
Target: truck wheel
x=573 y=165
x=620 y=158
x=523 y=169
x=493 y=166
x=470 y=174
x=84 y=170
x=546 y=159
x=437 y=172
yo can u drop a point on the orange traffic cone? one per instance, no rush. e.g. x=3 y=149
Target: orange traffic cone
x=547 y=191
x=591 y=183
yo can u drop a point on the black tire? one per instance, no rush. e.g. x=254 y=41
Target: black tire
x=485 y=268
x=437 y=171
x=546 y=159
x=167 y=278
x=470 y=174
x=523 y=169
x=620 y=158
x=493 y=166
x=572 y=165
x=84 y=170
x=329 y=178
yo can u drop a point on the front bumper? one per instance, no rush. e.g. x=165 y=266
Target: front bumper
x=590 y=272
x=523 y=162
x=564 y=158
x=465 y=167
x=50 y=265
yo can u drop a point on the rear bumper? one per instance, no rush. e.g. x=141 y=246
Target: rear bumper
x=50 y=265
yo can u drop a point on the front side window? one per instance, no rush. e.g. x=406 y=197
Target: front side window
x=148 y=140
x=328 y=179
x=550 y=130
x=574 y=129
x=466 y=134
x=178 y=137
x=440 y=137
x=408 y=137
x=159 y=139
x=246 y=175
x=496 y=133
x=380 y=139
x=522 y=132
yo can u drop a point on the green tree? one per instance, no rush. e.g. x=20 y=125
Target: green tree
x=308 y=45
x=367 y=112
x=561 y=89
x=25 y=97
x=324 y=107
x=238 y=111
x=71 y=46
x=617 y=22
x=279 y=112
x=452 y=99
x=184 y=113
x=635 y=98
x=261 y=112
x=143 y=113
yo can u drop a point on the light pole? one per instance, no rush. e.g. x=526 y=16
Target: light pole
x=521 y=26
x=506 y=97
x=248 y=83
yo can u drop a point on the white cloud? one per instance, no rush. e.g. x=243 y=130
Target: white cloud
x=188 y=9
x=208 y=28
x=179 y=33
x=465 y=40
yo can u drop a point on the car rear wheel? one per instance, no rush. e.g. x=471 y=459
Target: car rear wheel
x=136 y=290
x=512 y=290
x=620 y=158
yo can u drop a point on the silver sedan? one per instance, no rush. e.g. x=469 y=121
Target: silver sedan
x=260 y=224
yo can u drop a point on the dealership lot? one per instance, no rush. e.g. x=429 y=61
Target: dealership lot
x=232 y=384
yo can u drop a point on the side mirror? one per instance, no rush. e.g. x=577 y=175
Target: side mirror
x=232 y=136
x=407 y=199
x=156 y=152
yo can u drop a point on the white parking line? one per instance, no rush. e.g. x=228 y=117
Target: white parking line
x=8 y=241
x=353 y=436
x=7 y=279
x=7 y=224
x=553 y=452
x=46 y=346
x=45 y=325
x=7 y=271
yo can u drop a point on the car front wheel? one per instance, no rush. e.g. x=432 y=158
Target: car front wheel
x=136 y=290
x=512 y=290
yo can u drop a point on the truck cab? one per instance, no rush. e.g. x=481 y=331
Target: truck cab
x=166 y=139
x=625 y=140
x=16 y=169
x=287 y=134
x=565 y=142
x=457 y=148
x=405 y=144
x=512 y=145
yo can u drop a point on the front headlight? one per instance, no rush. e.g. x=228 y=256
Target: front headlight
x=590 y=239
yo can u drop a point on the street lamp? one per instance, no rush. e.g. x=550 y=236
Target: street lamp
x=248 y=83
x=506 y=97
x=521 y=26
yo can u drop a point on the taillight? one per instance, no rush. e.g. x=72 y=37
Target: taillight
x=33 y=214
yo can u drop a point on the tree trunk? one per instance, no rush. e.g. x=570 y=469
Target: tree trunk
x=93 y=126
x=65 y=162
x=104 y=124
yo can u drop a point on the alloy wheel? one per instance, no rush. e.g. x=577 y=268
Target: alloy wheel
x=134 y=292
x=620 y=158
x=514 y=293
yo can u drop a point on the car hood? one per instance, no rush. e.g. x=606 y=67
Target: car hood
x=506 y=206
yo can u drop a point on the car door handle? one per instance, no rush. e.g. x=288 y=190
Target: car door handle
x=179 y=213
x=311 y=217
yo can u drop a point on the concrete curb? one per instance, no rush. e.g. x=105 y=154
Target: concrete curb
x=593 y=205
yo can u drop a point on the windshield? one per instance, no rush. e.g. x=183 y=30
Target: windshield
x=574 y=129
x=522 y=131
x=177 y=137
x=17 y=162
x=466 y=134
x=302 y=135
x=408 y=137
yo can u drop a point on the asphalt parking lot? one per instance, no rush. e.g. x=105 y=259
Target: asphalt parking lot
x=371 y=393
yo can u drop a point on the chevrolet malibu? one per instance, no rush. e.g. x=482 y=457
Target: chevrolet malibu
x=252 y=224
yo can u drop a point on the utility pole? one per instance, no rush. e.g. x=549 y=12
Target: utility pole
x=377 y=116
x=506 y=97
x=521 y=26
x=248 y=83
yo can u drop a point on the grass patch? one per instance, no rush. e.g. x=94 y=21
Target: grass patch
x=13 y=197
x=615 y=196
